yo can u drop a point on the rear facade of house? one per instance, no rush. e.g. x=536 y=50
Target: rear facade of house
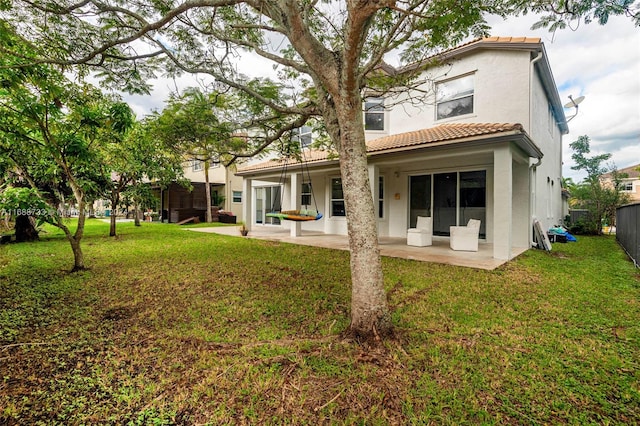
x=484 y=143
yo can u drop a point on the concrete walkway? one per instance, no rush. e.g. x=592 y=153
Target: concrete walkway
x=439 y=252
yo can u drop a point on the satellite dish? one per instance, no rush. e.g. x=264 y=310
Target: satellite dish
x=574 y=102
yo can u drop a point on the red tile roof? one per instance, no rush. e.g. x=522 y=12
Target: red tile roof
x=443 y=134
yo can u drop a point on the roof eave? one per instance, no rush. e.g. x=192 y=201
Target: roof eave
x=520 y=138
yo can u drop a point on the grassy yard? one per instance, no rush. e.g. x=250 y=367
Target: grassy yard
x=177 y=327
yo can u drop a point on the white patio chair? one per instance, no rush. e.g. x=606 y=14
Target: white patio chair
x=421 y=235
x=465 y=238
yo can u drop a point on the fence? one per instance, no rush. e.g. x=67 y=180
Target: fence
x=576 y=215
x=628 y=230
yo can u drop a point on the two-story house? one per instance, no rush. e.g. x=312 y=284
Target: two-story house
x=485 y=144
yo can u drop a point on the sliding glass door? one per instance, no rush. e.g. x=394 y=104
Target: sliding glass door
x=268 y=200
x=473 y=199
x=420 y=199
x=450 y=198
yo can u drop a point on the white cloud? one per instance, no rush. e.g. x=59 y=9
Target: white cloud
x=601 y=63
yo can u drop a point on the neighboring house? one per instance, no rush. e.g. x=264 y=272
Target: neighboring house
x=487 y=144
x=179 y=203
x=630 y=184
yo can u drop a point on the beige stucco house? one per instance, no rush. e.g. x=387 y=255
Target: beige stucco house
x=630 y=184
x=485 y=144
x=178 y=203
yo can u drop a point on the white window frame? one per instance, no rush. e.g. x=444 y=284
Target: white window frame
x=332 y=200
x=304 y=136
x=627 y=186
x=236 y=196
x=196 y=165
x=451 y=94
x=374 y=106
x=305 y=193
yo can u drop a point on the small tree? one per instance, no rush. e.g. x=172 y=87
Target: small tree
x=190 y=125
x=133 y=157
x=50 y=134
x=591 y=194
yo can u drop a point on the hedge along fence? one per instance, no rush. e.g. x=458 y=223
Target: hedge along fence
x=628 y=230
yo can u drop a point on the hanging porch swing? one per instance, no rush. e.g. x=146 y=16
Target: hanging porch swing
x=301 y=215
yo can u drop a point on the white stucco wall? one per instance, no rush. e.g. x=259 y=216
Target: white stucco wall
x=501 y=86
x=507 y=89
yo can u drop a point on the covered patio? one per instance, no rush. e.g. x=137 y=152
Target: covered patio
x=439 y=252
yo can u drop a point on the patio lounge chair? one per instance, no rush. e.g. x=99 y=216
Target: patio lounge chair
x=465 y=238
x=421 y=235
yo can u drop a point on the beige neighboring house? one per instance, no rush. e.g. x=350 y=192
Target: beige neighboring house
x=486 y=145
x=630 y=184
x=178 y=203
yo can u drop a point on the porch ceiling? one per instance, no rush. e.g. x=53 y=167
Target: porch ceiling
x=439 y=252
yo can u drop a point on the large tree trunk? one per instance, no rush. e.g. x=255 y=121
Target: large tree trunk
x=25 y=231
x=209 y=216
x=370 y=318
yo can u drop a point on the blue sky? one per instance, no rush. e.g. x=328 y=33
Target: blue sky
x=601 y=63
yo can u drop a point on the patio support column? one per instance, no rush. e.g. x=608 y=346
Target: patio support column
x=296 y=227
x=502 y=202
x=374 y=175
x=247 y=202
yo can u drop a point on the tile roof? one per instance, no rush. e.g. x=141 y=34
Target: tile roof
x=490 y=42
x=631 y=171
x=443 y=134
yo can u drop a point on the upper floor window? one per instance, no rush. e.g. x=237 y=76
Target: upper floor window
x=454 y=97
x=303 y=136
x=196 y=165
x=374 y=114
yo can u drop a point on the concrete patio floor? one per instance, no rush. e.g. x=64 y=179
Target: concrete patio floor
x=439 y=252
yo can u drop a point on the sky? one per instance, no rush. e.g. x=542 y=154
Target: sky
x=601 y=63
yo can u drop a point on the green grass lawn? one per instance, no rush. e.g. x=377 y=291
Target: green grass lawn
x=177 y=327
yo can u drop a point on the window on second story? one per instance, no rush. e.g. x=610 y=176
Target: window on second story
x=374 y=114
x=454 y=97
x=303 y=136
x=196 y=165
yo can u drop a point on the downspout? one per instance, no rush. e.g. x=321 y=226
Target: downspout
x=533 y=185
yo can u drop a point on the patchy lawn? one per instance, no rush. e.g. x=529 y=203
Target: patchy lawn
x=176 y=327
